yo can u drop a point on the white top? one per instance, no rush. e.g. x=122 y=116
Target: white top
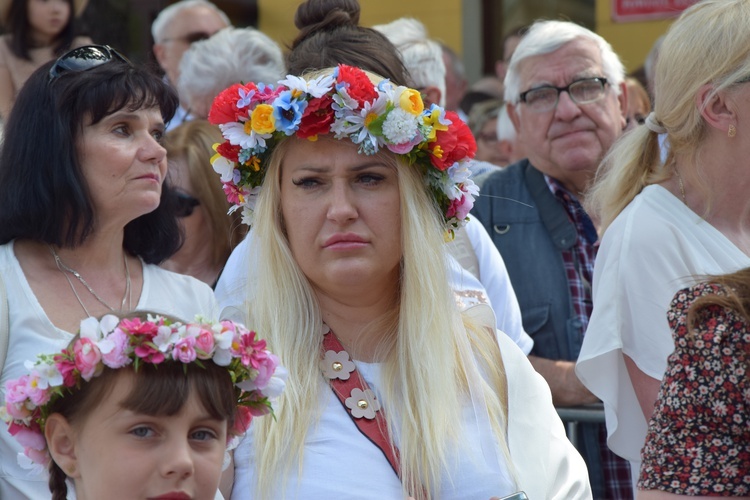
x=340 y=462
x=32 y=333
x=655 y=247
x=233 y=289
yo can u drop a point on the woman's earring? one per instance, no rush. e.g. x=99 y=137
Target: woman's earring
x=732 y=131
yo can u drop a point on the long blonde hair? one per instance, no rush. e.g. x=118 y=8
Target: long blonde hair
x=432 y=361
x=192 y=141
x=706 y=45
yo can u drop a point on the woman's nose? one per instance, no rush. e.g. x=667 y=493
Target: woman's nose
x=342 y=203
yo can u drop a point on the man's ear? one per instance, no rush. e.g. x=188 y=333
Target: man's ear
x=431 y=95
x=514 y=118
x=622 y=99
x=159 y=53
x=61 y=441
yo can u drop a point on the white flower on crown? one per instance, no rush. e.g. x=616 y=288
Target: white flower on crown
x=317 y=87
x=235 y=133
x=400 y=126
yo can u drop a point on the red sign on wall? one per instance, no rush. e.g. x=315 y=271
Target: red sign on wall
x=641 y=10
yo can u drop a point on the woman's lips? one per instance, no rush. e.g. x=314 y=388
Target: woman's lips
x=345 y=241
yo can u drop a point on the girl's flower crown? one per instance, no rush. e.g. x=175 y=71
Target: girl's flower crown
x=253 y=118
x=115 y=343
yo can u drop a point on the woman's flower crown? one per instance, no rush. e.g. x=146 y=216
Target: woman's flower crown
x=115 y=343
x=253 y=118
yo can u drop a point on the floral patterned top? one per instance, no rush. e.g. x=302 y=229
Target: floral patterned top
x=698 y=440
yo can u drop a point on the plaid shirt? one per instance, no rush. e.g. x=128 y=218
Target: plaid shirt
x=579 y=260
x=579 y=267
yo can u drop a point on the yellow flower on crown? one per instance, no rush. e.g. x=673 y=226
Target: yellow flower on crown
x=433 y=121
x=411 y=101
x=262 y=119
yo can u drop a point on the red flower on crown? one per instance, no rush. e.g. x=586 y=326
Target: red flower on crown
x=359 y=88
x=317 y=118
x=229 y=151
x=453 y=144
x=224 y=108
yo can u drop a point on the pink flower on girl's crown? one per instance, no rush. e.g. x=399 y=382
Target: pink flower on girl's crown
x=15 y=398
x=137 y=327
x=184 y=350
x=242 y=419
x=204 y=344
x=66 y=366
x=119 y=355
x=87 y=357
x=247 y=348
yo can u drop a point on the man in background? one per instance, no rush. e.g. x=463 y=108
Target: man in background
x=174 y=30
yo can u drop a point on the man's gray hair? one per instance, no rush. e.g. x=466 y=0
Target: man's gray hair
x=233 y=55
x=168 y=14
x=422 y=57
x=548 y=36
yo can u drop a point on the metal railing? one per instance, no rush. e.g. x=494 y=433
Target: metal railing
x=574 y=415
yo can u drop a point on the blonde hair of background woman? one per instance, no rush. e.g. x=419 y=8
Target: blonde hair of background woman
x=707 y=44
x=193 y=142
x=426 y=332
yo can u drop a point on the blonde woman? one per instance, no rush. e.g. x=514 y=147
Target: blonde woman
x=665 y=222
x=352 y=293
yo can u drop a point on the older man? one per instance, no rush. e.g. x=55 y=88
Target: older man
x=566 y=98
x=174 y=29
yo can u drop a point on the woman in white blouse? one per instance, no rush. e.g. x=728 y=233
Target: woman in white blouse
x=666 y=221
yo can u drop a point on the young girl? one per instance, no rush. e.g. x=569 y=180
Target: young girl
x=37 y=32
x=149 y=395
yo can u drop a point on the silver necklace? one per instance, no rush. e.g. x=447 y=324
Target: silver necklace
x=65 y=269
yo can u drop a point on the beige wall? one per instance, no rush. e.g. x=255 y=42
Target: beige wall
x=633 y=40
x=442 y=17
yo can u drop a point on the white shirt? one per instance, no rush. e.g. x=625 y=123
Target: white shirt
x=340 y=462
x=233 y=291
x=32 y=333
x=655 y=247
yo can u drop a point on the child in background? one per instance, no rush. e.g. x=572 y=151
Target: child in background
x=37 y=31
x=141 y=407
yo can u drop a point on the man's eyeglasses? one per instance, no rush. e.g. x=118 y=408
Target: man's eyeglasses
x=85 y=58
x=190 y=38
x=582 y=91
x=184 y=204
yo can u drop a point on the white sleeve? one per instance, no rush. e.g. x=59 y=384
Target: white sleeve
x=494 y=278
x=638 y=269
x=234 y=284
x=546 y=463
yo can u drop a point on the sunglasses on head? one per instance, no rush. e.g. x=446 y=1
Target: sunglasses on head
x=185 y=204
x=85 y=58
x=190 y=38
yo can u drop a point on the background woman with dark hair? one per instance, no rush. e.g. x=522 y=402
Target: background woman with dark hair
x=37 y=32
x=82 y=221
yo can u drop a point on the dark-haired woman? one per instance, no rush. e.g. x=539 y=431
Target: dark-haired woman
x=82 y=222
x=37 y=32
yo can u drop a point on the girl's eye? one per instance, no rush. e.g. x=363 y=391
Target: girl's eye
x=203 y=435
x=142 y=432
x=306 y=182
x=158 y=136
